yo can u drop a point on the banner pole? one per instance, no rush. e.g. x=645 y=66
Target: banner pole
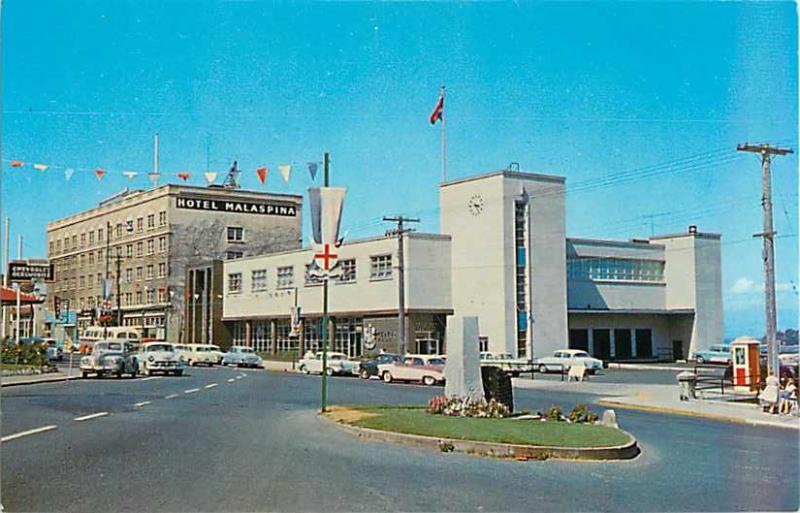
x=444 y=138
x=324 y=328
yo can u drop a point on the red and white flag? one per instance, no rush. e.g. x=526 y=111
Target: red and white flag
x=436 y=115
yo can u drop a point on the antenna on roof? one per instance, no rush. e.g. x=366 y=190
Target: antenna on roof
x=232 y=180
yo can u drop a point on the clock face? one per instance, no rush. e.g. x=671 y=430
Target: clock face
x=476 y=205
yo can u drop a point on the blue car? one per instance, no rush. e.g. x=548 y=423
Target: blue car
x=718 y=353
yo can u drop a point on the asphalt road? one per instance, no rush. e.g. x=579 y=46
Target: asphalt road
x=255 y=443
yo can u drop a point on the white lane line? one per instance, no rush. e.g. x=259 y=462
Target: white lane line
x=149 y=378
x=171 y=396
x=27 y=433
x=191 y=391
x=143 y=403
x=212 y=385
x=231 y=380
x=92 y=416
x=238 y=377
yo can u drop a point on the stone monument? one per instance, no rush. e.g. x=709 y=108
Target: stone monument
x=463 y=370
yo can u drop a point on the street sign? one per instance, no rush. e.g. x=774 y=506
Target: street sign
x=57 y=307
x=24 y=271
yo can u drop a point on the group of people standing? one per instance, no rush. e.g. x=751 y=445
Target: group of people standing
x=779 y=396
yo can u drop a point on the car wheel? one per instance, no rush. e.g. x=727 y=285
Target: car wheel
x=119 y=373
x=700 y=360
x=542 y=369
x=84 y=375
x=329 y=371
x=387 y=377
x=148 y=372
x=428 y=381
x=363 y=374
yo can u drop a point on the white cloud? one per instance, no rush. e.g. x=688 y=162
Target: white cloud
x=743 y=285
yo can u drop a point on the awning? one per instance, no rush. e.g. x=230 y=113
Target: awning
x=8 y=296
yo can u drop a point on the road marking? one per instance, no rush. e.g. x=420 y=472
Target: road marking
x=143 y=403
x=212 y=385
x=238 y=377
x=149 y=378
x=92 y=416
x=171 y=396
x=27 y=433
x=191 y=391
x=231 y=380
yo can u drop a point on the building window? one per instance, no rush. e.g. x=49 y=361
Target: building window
x=285 y=277
x=99 y=279
x=91 y=257
x=82 y=282
x=235 y=234
x=119 y=251
x=91 y=237
x=128 y=298
x=58 y=245
x=380 y=267
x=129 y=275
x=151 y=296
x=119 y=228
x=259 y=280
x=140 y=224
x=139 y=248
x=129 y=250
x=521 y=276
x=100 y=235
x=139 y=273
x=138 y=297
x=162 y=218
x=151 y=246
x=74 y=242
x=233 y=255
x=162 y=295
x=234 y=283
x=83 y=240
x=162 y=244
x=312 y=280
x=348 y=271
x=150 y=271
x=151 y=221
x=618 y=269
x=162 y=270
x=82 y=260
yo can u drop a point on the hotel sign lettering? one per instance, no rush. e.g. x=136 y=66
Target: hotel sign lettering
x=236 y=206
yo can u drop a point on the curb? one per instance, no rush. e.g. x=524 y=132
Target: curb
x=701 y=415
x=53 y=379
x=644 y=366
x=497 y=450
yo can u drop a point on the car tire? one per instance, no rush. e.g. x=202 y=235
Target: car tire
x=84 y=375
x=304 y=370
x=700 y=360
x=119 y=374
x=387 y=377
x=363 y=374
x=542 y=369
x=428 y=381
x=329 y=371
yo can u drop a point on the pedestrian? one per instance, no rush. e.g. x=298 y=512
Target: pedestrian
x=769 y=396
x=788 y=396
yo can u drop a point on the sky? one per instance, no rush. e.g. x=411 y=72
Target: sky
x=640 y=105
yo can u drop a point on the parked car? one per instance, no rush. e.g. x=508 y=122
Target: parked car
x=160 y=357
x=337 y=363
x=426 y=369
x=113 y=357
x=242 y=356
x=49 y=344
x=506 y=362
x=198 y=354
x=717 y=353
x=216 y=352
x=369 y=368
x=564 y=359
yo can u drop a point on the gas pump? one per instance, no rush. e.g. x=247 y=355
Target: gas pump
x=746 y=365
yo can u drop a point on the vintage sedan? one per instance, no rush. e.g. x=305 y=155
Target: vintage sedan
x=242 y=356
x=506 y=362
x=564 y=359
x=426 y=369
x=337 y=363
x=717 y=353
x=369 y=368
x=110 y=357
x=160 y=357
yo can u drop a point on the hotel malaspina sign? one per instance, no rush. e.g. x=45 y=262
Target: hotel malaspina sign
x=266 y=208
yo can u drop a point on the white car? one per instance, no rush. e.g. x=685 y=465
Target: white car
x=337 y=363
x=506 y=362
x=160 y=357
x=426 y=369
x=562 y=360
x=198 y=354
x=242 y=356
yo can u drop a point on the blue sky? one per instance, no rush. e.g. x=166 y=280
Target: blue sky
x=590 y=91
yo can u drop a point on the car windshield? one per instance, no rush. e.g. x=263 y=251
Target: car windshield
x=436 y=361
x=581 y=354
x=159 y=347
x=246 y=350
x=114 y=346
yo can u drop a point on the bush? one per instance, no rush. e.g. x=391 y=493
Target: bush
x=458 y=407
x=28 y=354
x=554 y=413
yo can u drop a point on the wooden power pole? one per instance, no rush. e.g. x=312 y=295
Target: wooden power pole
x=401 y=303
x=768 y=235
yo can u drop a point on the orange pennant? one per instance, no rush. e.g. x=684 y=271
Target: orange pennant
x=183 y=175
x=99 y=173
x=262 y=173
x=17 y=163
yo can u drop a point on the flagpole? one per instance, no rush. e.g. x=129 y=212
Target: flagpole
x=444 y=139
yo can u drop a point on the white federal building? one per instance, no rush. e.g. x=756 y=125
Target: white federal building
x=503 y=256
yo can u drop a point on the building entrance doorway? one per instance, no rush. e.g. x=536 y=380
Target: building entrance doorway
x=601 y=342
x=677 y=349
x=427 y=343
x=354 y=345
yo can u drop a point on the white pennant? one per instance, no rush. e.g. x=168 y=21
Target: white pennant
x=130 y=174
x=153 y=177
x=210 y=176
x=285 y=170
x=40 y=167
x=68 y=173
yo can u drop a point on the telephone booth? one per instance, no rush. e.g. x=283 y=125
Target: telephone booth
x=746 y=365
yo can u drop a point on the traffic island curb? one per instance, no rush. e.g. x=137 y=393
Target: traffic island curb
x=517 y=452
x=51 y=379
x=697 y=414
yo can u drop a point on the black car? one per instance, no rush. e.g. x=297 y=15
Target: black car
x=369 y=368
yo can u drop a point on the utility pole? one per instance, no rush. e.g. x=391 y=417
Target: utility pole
x=768 y=235
x=401 y=285
x=108 y=264
x=5 y=275
x=324 y=327
x=119 y=304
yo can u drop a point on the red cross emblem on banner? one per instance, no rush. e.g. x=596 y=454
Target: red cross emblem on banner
x=326 y=257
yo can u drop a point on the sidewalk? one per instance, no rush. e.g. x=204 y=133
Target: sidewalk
x=33 y=379
x=652 y=366
x=665 y=399
x=276 y=366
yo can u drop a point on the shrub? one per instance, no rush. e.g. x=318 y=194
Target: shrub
x=554 y=413
x=437 y=404
x=458 y=407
